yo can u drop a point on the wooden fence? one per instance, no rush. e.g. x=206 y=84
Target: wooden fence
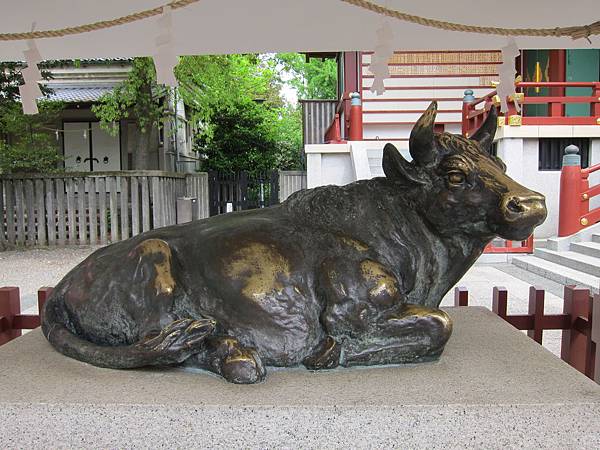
x=291 y=181
x=579 y=322
x=96 y=208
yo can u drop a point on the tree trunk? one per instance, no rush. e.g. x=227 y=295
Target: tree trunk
x=146 y=143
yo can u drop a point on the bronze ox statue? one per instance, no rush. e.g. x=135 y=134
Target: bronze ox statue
x=336 y=275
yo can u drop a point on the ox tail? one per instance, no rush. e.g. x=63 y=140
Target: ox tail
x=175 y=343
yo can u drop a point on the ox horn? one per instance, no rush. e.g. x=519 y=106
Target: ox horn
x=485 y=134
x=421 y=143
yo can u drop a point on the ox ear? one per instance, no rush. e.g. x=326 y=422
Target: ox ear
x=486 y=132
x=396 y=168
x=421 y=143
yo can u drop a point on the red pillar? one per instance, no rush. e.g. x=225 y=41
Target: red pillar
x=356 y=118
x=569 y=210
x=10 y=306
x=466 y=109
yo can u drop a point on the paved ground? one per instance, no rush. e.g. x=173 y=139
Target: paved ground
x=34 y=268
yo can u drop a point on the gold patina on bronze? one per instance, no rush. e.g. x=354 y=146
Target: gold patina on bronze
x=354 y=243
x=376 y=275
x=260 y=267
x=163 y=282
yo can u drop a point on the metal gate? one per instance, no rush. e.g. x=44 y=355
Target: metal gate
x=239 y=191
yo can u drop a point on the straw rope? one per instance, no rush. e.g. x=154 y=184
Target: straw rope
x=102 y=25
x=575 y=32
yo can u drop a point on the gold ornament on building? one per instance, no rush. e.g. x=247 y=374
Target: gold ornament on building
x=514 y=121
x=584 y=221
x=585 y=196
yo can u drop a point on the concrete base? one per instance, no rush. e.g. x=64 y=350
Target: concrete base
x=493 y=388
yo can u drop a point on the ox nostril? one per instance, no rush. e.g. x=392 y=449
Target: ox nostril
x=514 y=205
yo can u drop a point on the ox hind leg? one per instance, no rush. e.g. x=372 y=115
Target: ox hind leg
x=129 y=320
x=168 y=337
x=226 y=356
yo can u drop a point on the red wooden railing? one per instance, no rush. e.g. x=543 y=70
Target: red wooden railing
x=474 y=112
x=575 y=193
x=11 y=319
x=579 y=322
x=525 y=246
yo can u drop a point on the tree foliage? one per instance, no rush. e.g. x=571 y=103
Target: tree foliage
x=26 y=144
x=139 y=98
x=313 y=79
x=244 y=122
x=240 y=119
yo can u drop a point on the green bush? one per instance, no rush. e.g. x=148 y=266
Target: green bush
x=37 y=155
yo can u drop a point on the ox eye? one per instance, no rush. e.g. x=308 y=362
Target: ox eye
x=456 y=177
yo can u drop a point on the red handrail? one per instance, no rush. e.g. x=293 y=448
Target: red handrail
x=575 y=194
x=473 y=117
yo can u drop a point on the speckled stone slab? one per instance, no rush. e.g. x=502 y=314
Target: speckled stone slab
x=493 y=388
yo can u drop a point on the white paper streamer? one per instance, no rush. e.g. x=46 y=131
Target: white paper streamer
x=165 y=59
x=379 y=59
x=507 y=72
x=30 y=91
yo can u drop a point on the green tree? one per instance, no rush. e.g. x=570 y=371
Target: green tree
x=29 y=145
x=244 y=122
x=138 y=97
x=313 y=79
x=26 y=141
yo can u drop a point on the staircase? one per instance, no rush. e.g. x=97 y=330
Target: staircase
x=572 y=260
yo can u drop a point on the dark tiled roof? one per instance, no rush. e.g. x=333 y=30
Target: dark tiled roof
x=78 y=94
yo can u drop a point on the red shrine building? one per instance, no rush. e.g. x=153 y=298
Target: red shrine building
x=558 y=92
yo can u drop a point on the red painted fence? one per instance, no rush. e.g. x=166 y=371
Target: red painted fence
x=11 y=319
x=525 y=246
x=475 y=111
x=579 y=321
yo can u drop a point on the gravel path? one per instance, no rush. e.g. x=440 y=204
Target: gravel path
x=30 y=269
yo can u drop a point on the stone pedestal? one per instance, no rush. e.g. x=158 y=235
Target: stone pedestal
x=492 y=388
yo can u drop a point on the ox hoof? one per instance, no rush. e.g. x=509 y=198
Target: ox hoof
x=243 y=367
x=179 y=340
x=326 y=357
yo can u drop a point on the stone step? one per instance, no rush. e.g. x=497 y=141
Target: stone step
x=557 y=272
x=595 y=237
x=570 y=259
x=586 y=248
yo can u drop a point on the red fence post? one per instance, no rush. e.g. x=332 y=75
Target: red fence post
x=569 y=210
x=356 y=118
x=576 y=346
x=595 y=107
x=500 y=301
x=461 y=296
x=10 y=306
x=536 y=309
x=596 y=336
x=43 y=294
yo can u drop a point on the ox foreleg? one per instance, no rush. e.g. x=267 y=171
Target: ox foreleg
x=226 y=356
